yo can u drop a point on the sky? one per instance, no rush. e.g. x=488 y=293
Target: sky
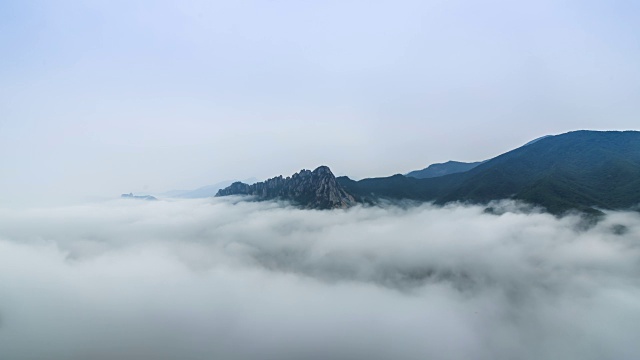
x=98 y=98
x=222 y=279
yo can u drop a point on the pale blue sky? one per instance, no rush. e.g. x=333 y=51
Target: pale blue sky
x=98 y=98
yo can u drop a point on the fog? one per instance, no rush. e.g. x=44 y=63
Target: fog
x=230 y=279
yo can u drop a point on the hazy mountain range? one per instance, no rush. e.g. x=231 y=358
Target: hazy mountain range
x=138 y=197
x=581 y=170
x=204 y=191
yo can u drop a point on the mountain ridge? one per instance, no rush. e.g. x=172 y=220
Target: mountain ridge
x=583 y=170
x=317 y=189
x=441 y=169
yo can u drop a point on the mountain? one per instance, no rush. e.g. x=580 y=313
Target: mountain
x=581 y=170
x=450 y=167
x=317 y=189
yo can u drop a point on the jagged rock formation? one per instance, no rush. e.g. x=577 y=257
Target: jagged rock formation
x=317 y=189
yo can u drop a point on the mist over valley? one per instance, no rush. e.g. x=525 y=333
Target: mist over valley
x=228 y=278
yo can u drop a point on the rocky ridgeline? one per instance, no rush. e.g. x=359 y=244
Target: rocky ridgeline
x=317 y=189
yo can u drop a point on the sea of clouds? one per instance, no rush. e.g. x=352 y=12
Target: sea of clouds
x=228 y=279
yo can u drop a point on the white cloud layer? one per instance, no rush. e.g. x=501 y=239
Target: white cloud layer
x=220 y=279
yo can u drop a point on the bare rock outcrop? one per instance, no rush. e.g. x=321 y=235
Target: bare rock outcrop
x=317 y=189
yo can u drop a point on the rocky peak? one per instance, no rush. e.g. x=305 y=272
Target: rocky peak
x=323 y=171
x=317 y=189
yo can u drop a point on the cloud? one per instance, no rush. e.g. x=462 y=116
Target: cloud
x=226 y=279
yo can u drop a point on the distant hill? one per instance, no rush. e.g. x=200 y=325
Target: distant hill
x=138 y=197
x=204 y=191
x=450 y=167
x=580 y=170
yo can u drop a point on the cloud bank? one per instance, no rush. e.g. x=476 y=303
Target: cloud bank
x=226 y=279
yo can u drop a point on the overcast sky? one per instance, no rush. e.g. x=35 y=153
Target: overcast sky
x=103 y=97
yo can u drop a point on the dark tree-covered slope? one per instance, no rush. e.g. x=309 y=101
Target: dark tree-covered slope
x=578 y=170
